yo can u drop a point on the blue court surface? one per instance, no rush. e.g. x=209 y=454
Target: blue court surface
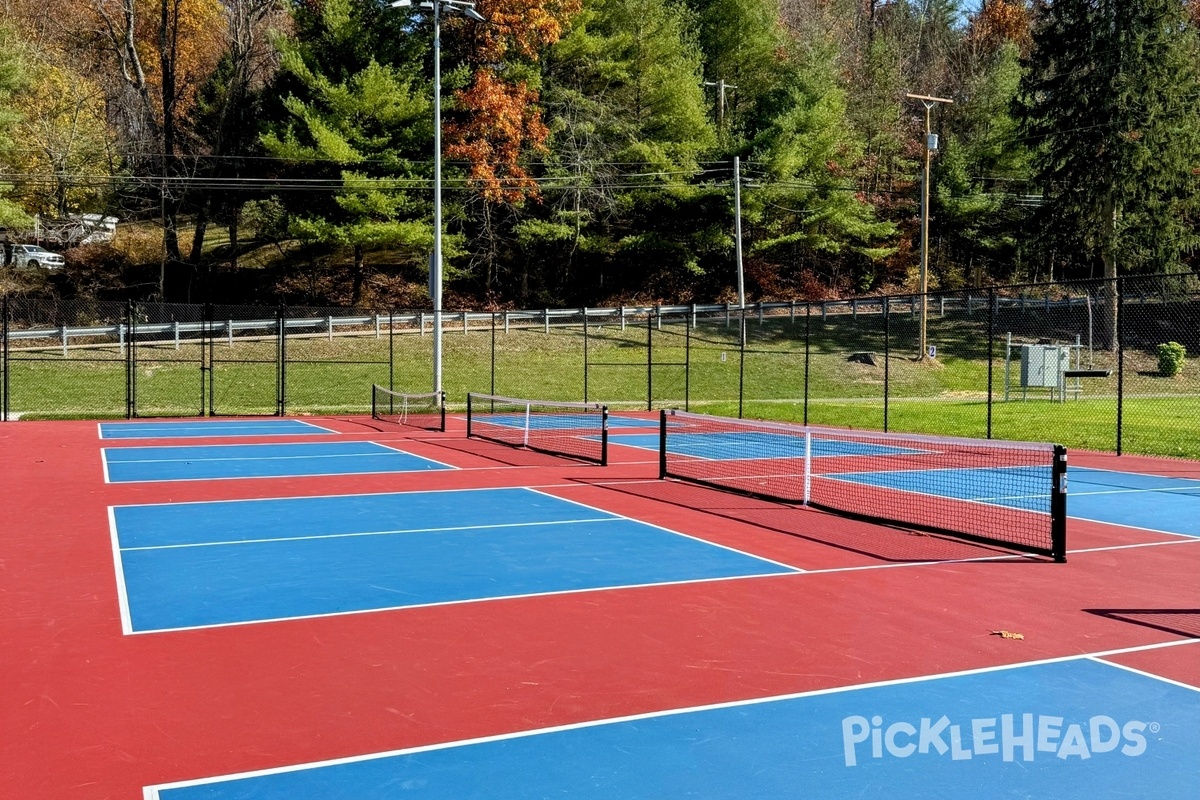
x=749 y=445
x=190 y=565
x=184 y=429
x=206 y=462
x=1167 y=505
x=562 y=421
x=1078 y=728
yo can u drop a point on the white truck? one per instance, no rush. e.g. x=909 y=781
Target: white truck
x=31 y=255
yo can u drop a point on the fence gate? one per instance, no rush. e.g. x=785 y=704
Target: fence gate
x=245 y=361
x=167 y=360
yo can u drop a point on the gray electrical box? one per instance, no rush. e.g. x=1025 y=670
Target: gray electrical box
x=1042 y=365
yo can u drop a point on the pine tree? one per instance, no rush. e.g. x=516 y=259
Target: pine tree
x=1110 y=103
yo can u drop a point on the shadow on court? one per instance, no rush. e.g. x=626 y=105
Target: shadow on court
x=890 y=544
x=1179 y=621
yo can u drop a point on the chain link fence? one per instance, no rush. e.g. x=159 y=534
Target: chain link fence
x=1103 y=365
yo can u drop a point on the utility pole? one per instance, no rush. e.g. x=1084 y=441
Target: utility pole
x=931 y=145
x=737 y=225
x=721 y=87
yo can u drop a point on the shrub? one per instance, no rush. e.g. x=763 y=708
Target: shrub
x=1170 y=358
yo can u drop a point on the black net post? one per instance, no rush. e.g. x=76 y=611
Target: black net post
x=470 y=413
x=662 y=445
x=604 y=436
x=1058 y=506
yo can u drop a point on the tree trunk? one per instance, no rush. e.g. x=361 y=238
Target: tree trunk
x=1109 y=299
x=356 y=290
x=233 y=240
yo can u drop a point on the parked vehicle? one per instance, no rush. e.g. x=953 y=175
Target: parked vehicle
x=31 y=255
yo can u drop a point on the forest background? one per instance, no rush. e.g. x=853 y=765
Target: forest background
x=280 y=151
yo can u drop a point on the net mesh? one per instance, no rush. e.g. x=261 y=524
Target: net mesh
x=426 y=411
x=1007 y=493
x=575 y=430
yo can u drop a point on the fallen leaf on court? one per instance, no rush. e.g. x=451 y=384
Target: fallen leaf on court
x=1008 y=635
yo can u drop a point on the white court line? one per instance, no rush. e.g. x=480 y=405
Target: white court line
x=1131 y=527
x=1164 y=489
x=387 y=446
x=152 y=792
x=398 y=531
x=329 y=496
x=390 y=454
x=104 y=463
x=674 y=532
x=468 y=601
x=1144 y=674
x=119 y=567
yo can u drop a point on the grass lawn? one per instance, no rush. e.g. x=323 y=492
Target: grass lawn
x=699 y=366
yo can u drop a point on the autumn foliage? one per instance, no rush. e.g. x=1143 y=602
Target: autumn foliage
x=500 y=118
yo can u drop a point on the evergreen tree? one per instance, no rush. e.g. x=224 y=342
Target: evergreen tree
x=809 y=216
x=628 y=123
x=979 y=177
x=348 y=117
x=1110 y=103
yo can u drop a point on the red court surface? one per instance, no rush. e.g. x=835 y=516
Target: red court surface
x=87 y=712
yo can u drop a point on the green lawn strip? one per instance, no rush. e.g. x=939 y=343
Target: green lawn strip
x=333 y=375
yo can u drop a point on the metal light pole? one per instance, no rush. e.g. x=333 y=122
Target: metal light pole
x=467 y=9
x=930 y=146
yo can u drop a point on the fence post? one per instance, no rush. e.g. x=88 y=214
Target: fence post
x=64 y=338
x=887 y=359
x=131 y=361
x=546 y=319
x=991 y=358
x=741 y=361
x=493 y=369
x=175 y=329
x=391 y=349
x=807 y=360
x=281 y=359
x=207 y=344
x=583 y=311
x=687 y=366
x=4 y=359
x=1120 y=289
x=650 y=360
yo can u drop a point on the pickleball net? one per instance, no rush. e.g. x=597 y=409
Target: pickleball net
x=574 y=430
x=426 y=411
x=1011 y=494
